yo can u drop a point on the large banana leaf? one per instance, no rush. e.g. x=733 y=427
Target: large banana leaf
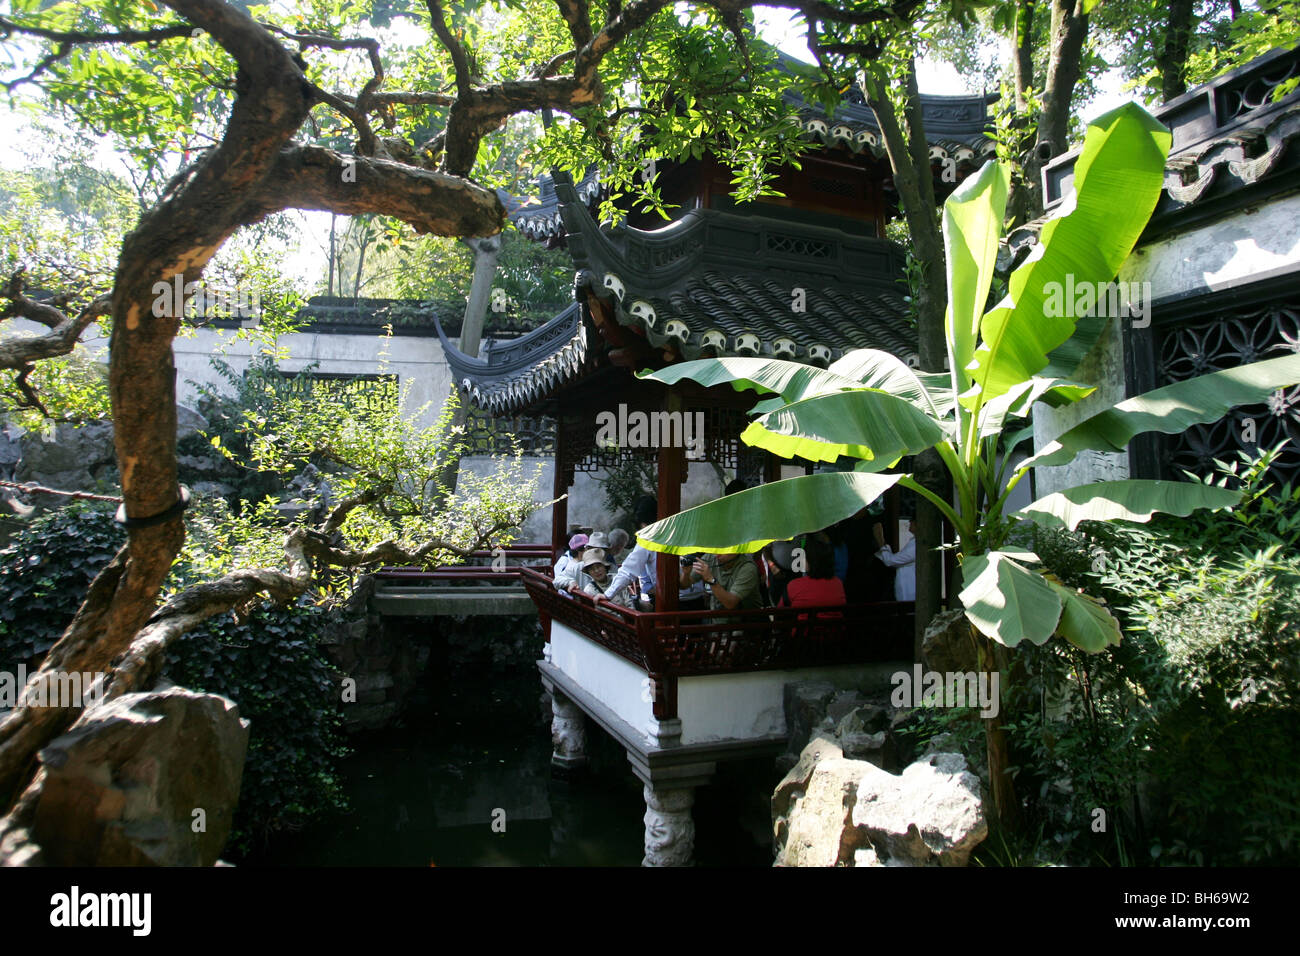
x=1008 y=602
x=1064 y=360
x=873 y=368
x=1019 y=399
x=972 y=225
x=867 y=423
x=1132 y=499
x=1117 y=181
x=868 y=368
x=1085 y=622
x=1172 y=409
x=789 y=380
x=749 y=520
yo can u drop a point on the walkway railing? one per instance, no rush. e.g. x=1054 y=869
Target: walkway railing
x=672 y=644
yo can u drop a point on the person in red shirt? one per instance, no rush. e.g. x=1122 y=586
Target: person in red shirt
x=819 y=586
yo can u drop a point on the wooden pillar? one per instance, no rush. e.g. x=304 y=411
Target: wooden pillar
x=668 y=566
x=771 y=469
x=891 y=518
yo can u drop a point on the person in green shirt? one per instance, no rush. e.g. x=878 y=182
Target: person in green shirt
x=732 y=580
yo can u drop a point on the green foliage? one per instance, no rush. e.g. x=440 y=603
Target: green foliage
x=1138 y=33
x=1274 y=26
x=537 y=282
x=45 y=571
x=624 y=484
x=397 y=463
x=271 y=665
x=249 y=395
x=1183 y=734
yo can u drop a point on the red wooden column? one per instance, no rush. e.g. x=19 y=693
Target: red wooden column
x=671 y=466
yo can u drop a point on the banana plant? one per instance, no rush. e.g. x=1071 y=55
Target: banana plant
x=871 y=406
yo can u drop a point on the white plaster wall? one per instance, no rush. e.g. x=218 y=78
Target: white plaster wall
x=418 y=361
x=615 y=682
x=752 y=706
x=1248 y=246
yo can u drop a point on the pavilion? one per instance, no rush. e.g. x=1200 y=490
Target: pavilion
x=806 y=278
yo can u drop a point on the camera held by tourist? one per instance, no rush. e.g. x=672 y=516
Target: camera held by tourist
x=732 y=580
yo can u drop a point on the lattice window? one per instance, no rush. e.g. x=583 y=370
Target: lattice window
x=489 y=434
x=1228 y=341
x=799 y=246
x=1251 y=93
x=378 y=392
x=721 y=443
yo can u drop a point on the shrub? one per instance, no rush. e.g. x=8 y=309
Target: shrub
x=271 y=666
x=45 y=572
x=1184 y=734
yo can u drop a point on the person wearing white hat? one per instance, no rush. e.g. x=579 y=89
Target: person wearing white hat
x=593 y=577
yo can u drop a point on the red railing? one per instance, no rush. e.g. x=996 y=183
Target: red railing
x=673 y=644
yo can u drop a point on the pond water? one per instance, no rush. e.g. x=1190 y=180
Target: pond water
x=476 y=751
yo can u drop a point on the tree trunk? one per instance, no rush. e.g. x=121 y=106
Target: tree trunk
x=1172 y=59
x=1006 y=807
x=909 y=158
x=1069 y=30
x=1025 y=201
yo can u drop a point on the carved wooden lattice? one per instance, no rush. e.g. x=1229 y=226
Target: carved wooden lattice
x=1186 y=351
x=489 y=434
x=719 y=442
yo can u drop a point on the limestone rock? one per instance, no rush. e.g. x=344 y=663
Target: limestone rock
x=931 y=815
x=946 y=646
x=831 y=810
x=844 y=703
x=188 y=421
x=819 y=831
x=122 y=787
x=11 y=449
x=69 y=448
x=805 y=706
x=873 y=748
x=791 y=789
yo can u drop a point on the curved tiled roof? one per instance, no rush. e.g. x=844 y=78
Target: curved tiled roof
x=722 y=283
x=712 y=283
x=540 y=218
x=514 y=374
